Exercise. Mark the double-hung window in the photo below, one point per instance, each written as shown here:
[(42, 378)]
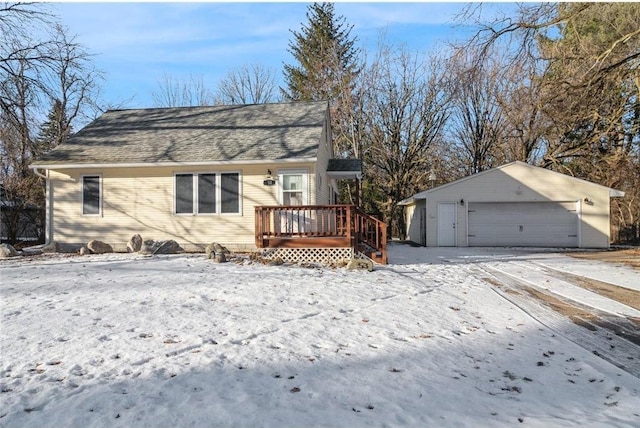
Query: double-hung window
[(91, 195), (293, 187), (207, 193)]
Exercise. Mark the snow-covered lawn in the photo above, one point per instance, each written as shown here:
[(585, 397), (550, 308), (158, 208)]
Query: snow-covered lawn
[(123, 340)]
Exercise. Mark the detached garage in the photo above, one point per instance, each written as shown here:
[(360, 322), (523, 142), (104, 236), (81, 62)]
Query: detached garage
[(516, 204)]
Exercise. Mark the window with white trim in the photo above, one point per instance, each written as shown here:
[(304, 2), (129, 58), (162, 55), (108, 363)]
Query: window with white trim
[(293, 187), (91, 195), (207, 193)]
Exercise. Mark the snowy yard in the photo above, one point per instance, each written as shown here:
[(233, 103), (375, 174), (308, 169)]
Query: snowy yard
[(124, 340)]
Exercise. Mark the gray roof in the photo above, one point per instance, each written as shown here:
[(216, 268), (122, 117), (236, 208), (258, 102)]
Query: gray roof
[(344, 165), (196, 134)]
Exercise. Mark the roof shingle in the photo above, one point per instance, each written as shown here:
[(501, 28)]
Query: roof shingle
[(196, 134)]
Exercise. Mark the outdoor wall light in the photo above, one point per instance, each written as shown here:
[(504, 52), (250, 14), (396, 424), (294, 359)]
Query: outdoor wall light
[(461, 201), (269, 181)]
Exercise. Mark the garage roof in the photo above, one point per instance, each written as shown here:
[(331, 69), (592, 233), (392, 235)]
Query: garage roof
[(613, 193)]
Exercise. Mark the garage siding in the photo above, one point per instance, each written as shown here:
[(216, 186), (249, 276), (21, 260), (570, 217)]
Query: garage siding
[(518, 183)]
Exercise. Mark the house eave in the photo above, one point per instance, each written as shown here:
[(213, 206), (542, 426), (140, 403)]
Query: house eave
[(344, 175), (170, 164)]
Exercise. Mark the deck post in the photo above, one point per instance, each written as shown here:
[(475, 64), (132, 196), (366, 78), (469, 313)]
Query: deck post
[(349, 221)]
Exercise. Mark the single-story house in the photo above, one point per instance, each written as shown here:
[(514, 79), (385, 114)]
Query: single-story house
[(516, 204), (196, 175)]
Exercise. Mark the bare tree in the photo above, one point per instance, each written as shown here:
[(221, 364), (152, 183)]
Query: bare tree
[(405, 107), (248, 84), (524, 122), (182, 92), (584, 93), (476, 121), (35, 74)]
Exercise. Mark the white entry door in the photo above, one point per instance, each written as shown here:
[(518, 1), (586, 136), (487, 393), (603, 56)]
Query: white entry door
[(446, 224), (294, 191)]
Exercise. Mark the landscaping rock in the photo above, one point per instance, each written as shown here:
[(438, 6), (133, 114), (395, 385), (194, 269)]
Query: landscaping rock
[(219, 258), (99, 247), (360, 264), (160, 247), (135, 243), (214, 248), (84, 250), (7, 250), (31, 251), (52, 247)]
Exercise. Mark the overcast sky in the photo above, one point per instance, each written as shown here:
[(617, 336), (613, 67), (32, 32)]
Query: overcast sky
[(136, 43)]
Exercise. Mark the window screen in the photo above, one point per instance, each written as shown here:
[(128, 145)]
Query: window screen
[(184, 193), (206, 193), (91, 195), (230, 193)]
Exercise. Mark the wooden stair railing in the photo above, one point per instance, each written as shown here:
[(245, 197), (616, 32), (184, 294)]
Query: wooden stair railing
[(373, 233)]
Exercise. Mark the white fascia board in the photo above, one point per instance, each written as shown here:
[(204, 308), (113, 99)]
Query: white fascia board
[(160, 164), (344, 175)]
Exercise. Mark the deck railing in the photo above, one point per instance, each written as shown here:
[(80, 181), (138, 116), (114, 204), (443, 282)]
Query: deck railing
[(312, 226)]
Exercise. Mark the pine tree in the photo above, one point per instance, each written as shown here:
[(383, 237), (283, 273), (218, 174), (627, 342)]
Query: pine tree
[(327, 68), (55, 130), (326, 56)]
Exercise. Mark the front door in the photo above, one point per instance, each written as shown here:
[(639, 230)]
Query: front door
[(294, 187), (446, 224)]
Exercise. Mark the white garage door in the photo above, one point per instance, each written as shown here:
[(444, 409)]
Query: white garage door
[(535, 224)]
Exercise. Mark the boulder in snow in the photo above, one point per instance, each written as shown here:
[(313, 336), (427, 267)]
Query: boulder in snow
[(7, 250), (99, 247), (360, 264), (52, 247), (220, 258), (135, 243), (151, 246), (213, 249)]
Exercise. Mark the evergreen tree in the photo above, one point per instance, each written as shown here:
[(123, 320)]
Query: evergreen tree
[(326, 56), (327, 68), (55, 130)]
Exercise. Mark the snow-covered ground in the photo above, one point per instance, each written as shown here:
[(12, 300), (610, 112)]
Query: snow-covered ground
[(123, 340)]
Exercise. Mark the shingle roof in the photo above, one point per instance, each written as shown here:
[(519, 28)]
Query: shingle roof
[(196, 134), (344, 165)]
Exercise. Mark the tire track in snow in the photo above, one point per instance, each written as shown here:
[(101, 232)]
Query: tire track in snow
[(610, 347)]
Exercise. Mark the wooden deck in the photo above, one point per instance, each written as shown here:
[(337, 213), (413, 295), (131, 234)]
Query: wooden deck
[(321, 226)]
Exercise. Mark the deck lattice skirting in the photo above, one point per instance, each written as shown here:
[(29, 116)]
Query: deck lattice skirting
[(325, 256)]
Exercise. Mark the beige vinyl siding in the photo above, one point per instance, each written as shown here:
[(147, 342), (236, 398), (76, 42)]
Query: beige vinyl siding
[(519, 182), (322, 187), (141, 200), (412, 218), (506, 185)]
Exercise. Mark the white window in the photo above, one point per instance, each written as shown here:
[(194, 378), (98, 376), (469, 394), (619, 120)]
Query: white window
[(207, 193), (91, 195), (294, 187)]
